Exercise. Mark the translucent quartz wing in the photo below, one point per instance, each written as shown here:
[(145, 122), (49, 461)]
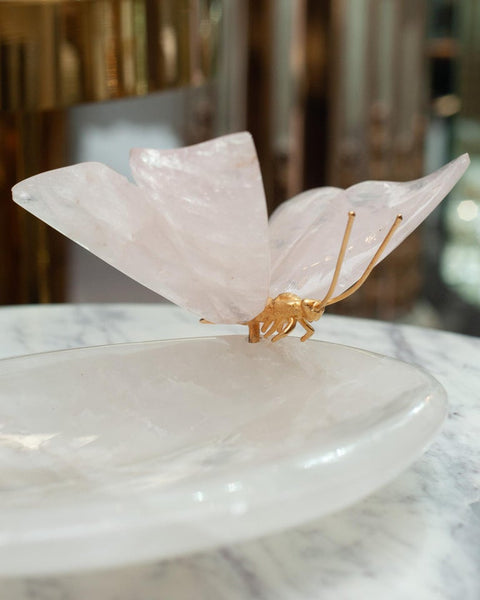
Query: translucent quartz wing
[(306, 232), (218, 220), (194, 231)]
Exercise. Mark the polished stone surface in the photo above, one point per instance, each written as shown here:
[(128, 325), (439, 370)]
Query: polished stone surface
[(116, 455), (417, 537)]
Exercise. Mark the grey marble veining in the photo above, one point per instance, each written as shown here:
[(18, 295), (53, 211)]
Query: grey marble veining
[(418, 537)]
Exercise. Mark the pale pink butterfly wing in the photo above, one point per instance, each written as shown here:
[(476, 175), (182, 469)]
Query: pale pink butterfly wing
[(195, 230), (306, 232)]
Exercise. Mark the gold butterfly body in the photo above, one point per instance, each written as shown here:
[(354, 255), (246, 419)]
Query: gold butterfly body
[(281, 314)]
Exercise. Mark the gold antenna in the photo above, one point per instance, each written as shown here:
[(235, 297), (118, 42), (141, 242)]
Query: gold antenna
[(341, 256), (351, 290)]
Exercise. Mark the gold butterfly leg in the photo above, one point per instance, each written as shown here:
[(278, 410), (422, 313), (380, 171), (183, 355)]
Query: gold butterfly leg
[(290, 325), (253, 332), (269, 327), (309, 330)]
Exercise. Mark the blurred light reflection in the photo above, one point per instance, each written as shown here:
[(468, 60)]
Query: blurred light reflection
[(326, 458)]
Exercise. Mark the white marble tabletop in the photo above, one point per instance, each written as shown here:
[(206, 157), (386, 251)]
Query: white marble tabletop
[(418, 537)]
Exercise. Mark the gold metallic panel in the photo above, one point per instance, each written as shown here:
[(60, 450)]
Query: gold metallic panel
[(58, 53), (31, 254)]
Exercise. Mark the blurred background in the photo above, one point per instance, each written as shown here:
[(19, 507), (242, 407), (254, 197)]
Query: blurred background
[(333, 91)]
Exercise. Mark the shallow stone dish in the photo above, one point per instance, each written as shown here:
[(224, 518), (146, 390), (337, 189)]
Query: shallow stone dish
[(121, 454)]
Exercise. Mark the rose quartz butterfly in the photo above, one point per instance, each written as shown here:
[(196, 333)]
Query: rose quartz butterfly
[(194, 229)]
